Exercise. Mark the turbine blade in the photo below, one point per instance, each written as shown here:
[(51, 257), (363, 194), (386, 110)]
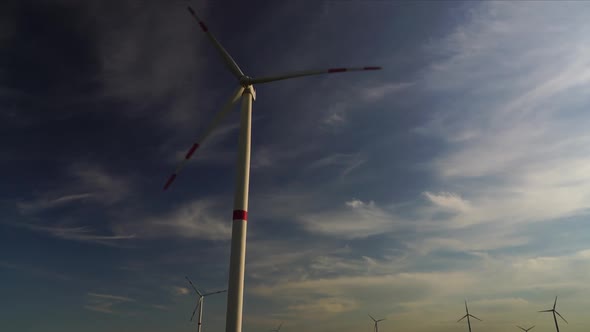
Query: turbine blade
[(462, 318), (196, 307), (380, 320), (549, 310), (372, 318), (561, 317), (522, 328), (221, 291), (192, 285), (218, 117), (555, 303), (466, 310), (476, 318), (229, 62), (308, 73)]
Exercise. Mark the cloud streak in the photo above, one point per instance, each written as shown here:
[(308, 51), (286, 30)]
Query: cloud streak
[(45, 203), (104, 303), (517, 147), (346, 162), (79, 233), (356, 219), (195, 219)]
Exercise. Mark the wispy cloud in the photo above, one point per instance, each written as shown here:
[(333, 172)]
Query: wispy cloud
[(492, 283), (80, 233), (346, 163), (111, 297), (337, 113), (448, 201), (161, 307), (181, 290), (105, 302), (356, 219), (195, 219), (108, 187), (88, 183), (147, 54), (345, 294), (273, 155), (517, 144), (46, 203), (379, 92)]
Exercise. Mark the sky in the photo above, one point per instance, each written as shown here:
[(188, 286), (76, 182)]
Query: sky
[(461, 171)]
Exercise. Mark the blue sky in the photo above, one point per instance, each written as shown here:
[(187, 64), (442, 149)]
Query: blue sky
[(459, 171)]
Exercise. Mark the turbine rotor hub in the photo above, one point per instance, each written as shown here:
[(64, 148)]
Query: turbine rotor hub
[(245, 80)]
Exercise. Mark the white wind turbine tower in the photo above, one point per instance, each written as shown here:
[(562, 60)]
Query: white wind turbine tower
[(200, 303), (376, 321), (525, 330), (240, 213), (555, 312), (467, 315)]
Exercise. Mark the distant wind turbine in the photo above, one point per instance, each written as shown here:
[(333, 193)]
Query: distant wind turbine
[(200, 303), (278, 328), (467, 315), (376, 328), (525, 330), (555, 312)]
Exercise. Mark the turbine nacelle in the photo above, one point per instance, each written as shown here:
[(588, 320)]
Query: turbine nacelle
[(245, 81)]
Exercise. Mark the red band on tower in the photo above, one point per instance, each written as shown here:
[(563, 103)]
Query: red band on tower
[(240, 215), (336, 70)]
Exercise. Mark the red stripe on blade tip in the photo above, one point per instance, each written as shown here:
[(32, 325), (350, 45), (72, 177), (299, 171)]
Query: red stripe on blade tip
[(336, 70), (371, 68), (203, 26), (240, 215), (192, 150), (170, 180)]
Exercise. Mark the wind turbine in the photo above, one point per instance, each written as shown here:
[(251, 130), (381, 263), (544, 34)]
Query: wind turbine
[(525, 330), (200, 303), (376, 328), (278, 328), (245, 91), (467, 314), (555, 312)]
